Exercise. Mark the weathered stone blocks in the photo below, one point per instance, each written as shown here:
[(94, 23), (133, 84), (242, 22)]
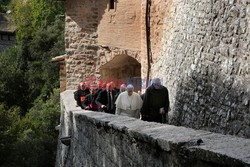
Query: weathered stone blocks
[(205, 62), (100, 139)]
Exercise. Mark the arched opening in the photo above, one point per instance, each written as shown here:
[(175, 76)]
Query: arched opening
[(122, 68)]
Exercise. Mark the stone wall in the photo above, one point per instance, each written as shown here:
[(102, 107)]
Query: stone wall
[(205, 64), (199, 48), (6, 40), (80, 40), (121, 66), (7, 32), (100, 139), (95, 35), (159, 11)]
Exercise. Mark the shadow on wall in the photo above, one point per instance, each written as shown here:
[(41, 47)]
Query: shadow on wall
[(215, 102), (86, 14), (81, 38)]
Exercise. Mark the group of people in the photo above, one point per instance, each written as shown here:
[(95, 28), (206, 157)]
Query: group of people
[(151, 106)]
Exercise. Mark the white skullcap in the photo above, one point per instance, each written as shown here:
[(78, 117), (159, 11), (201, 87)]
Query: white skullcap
[(130, 87)]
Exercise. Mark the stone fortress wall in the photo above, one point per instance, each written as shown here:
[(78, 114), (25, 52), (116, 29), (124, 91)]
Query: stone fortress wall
[(205, 63), (199, 48)]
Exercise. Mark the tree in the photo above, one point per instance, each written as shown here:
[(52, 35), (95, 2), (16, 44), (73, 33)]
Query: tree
[(13, 87), (40, 38), (29, 102), (35, 134), (4, 6), (8, 117)]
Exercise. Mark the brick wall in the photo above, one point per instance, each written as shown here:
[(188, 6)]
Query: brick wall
[(120, 27), (62, 66)]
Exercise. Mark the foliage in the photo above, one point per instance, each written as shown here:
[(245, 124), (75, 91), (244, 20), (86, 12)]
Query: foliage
[(47, 43), (26, 69), (21, 15), (12, 86), (33, 138), (29, 94), (32, 15), (4, 6), (7, 137)]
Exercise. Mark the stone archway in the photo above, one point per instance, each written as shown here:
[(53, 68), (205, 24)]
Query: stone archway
[(122, 67)]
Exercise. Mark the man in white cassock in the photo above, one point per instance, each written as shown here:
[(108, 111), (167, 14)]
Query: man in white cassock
[(129, 103)]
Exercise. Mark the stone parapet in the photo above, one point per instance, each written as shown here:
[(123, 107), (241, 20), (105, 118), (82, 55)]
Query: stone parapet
[(100, 139)]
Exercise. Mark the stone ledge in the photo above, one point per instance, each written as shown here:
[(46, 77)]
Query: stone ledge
[(217, 148)]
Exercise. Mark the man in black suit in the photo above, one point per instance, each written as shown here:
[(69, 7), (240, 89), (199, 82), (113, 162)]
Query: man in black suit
[(101, 87), (106, 99), (122, 89)]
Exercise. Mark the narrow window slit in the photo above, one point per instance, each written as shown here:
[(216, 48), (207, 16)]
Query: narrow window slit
[(112, 4)]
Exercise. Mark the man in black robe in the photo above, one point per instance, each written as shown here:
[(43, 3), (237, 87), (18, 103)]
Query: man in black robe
[(155, 103), (90, 101), (80, 94)]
